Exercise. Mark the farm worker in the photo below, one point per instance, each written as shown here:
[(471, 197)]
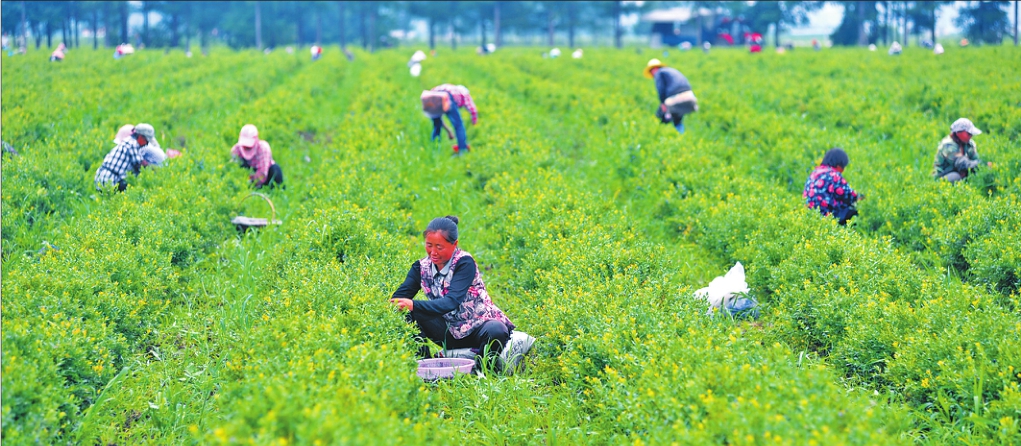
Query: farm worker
[(317, 52), (124, 134), (255, 154), (58, 54), (123, 50), (675, 96), (956, 155), (139, 150), (415, 63), (457, 311), (447, 99), (827, 191)]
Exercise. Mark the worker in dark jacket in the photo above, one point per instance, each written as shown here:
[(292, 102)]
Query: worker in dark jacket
[(675, 96)]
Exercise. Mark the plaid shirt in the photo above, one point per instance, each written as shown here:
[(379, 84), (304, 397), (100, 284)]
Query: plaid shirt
[(462, 98), (127, 155), (261, 160)]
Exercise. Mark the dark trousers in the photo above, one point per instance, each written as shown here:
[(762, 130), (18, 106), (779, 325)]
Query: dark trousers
[(844, 215), (494, 334), (274, 177)]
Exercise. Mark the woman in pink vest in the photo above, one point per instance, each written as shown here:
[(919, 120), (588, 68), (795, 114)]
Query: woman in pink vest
[(457, 311), (255, 154)]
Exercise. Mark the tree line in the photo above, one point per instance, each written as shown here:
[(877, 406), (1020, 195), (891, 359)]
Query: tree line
[(884, 22), (270, 24), (374, 25)]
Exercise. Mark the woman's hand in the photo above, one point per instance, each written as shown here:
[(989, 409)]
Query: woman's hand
[(403, 304)]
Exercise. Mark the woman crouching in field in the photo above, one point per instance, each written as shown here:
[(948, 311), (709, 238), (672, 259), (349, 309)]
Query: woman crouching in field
[(458, 312), (827, 191), (253, 153)]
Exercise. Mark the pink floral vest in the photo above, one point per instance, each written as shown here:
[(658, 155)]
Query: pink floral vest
[(477, 307)]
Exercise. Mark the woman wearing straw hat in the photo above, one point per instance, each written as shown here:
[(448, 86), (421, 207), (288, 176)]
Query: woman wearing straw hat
[(675, 96), (956, 156), (253, 153)]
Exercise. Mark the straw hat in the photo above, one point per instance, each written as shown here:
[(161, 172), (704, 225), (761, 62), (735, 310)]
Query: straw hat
[(653, 63)]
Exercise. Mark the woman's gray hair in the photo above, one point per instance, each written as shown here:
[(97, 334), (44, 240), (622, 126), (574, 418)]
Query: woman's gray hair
[(447, 225)]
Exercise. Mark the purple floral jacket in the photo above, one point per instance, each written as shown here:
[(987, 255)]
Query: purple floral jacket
[(827, 191), (477, 307)]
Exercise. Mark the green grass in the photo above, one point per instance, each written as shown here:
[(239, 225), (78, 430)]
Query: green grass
[(154, 321)]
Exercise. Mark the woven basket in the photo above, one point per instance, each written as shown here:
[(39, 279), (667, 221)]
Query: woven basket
[(243, 223)]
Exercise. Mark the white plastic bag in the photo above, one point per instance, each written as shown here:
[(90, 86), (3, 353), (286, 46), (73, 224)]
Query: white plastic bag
[(728, 293), (520, 345), (725, 287)]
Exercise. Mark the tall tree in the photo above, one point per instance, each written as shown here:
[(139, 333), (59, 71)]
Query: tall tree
[(782, 14), (146, 8), (618, 33), (497, 31), (258, 25), (923, 15), (319, 27), (550, 10), (24, 28), (858, 18), (342, 24), (986, 22), (95, 27), (452, 19), (433, 14), (904, 16), (124, 21)]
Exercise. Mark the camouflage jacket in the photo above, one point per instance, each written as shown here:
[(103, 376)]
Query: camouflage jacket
[(947, 153)]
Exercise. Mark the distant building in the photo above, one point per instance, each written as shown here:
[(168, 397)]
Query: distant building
[(673, 26)]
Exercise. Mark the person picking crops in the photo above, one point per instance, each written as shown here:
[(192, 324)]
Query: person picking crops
[(58, 54), (827, 191), (253, 153), (675, 96), (457, 312), (447, 99), (956, 156), (139, 150)]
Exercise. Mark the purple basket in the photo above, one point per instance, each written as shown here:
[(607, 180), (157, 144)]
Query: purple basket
[(436, 368)]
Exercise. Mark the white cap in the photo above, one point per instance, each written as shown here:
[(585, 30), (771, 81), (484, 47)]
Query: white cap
[(965, 125)]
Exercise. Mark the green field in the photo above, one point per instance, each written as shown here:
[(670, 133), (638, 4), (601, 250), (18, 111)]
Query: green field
[(143, 317)]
